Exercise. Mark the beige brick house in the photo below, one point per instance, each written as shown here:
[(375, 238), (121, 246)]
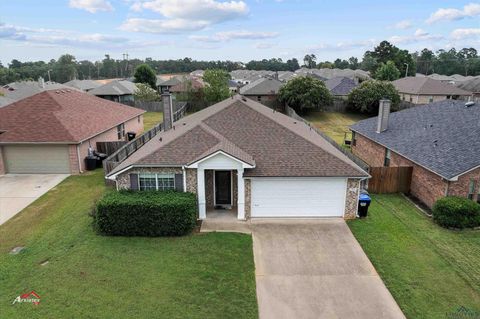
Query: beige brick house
[(241, 156), (438, 140), (51, 131)]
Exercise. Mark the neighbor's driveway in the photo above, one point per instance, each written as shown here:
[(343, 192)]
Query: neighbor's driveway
[(17, 191), (316, 269)]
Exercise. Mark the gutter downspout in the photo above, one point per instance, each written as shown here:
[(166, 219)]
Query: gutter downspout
[(447, 188), (78, 157), (184, 178)]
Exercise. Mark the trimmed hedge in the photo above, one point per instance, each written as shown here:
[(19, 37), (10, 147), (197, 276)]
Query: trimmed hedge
[(146, 213), (456, 212)]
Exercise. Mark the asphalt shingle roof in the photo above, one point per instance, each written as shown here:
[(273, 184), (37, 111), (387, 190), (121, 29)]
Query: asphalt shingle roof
[(427, 86), (441, 136), (341, 85), (274, 143), (84, 85), (262, 86), (63, 116), (116, 87)]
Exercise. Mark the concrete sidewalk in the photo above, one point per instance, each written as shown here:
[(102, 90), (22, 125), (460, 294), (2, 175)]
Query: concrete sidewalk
[(17, 191), (316, 269)]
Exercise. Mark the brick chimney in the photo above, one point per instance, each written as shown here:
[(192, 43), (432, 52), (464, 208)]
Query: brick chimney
[(383, 115), (167, 110)]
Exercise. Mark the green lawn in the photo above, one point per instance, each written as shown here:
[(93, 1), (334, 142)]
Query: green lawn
[(334, 124), (150, 119), (91, 276), (430, 271)]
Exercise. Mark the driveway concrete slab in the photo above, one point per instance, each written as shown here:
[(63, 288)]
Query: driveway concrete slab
[(17, 191), (316, 269)]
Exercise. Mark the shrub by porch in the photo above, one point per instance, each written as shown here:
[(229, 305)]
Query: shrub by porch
[(146, 213)]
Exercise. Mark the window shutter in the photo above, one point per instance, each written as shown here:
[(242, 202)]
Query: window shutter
[(179, 182), (134, 182)]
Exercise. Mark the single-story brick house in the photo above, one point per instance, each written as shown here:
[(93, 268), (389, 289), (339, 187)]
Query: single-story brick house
[(263, 90), (50, 132), (240, 155), (439, 140), (424, 90)]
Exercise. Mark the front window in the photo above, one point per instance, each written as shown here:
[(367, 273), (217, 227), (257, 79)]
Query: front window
[(159, 182), (430, 99), (471, 189), (386, 161), (121, 131)]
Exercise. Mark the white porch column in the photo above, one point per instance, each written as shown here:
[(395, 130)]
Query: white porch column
[(241, 194), (202, 211)]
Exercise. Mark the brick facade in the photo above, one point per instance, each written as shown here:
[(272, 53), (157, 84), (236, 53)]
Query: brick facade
[(2, 165), (351, 199), (123, 180), (426, 185), (248, 198)]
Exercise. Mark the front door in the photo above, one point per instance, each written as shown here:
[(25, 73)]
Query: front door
[(223, 188)]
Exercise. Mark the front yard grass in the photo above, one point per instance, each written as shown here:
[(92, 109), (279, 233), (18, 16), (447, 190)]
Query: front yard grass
[(430, 271), (150, 119), (334, 124), (91, 276)]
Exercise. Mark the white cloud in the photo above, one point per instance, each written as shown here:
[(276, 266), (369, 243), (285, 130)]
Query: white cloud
[(418, 36), (184, 15), (459, 34), (162, 25), (449, 14), (91, 6), (68, 38), (234, 35), (344, 46), (404, 24)]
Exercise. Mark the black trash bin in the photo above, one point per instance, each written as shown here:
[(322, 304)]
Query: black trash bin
[(100, 158), (90, 163), (363, 204), (131, 135)]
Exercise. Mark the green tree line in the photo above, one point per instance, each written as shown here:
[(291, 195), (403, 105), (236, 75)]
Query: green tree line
[(464, 61)]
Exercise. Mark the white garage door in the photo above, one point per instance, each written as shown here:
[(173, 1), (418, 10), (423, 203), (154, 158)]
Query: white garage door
[(36, 159), (289, 197)]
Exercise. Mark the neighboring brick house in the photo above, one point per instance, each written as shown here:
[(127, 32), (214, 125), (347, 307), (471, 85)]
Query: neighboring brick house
[(50, 132), (121, 91), (439, 140), (240, 155), (264, 90), (424, 90)]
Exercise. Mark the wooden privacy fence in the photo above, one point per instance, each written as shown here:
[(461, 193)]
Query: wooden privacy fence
[(131, 147), (390, 179), (110, 147)]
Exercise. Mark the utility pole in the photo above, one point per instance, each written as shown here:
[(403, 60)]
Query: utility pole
[(49, 79), (406, 71), (126, 65)]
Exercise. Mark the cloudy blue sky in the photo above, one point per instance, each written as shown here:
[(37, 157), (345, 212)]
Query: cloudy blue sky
[(224, 29)]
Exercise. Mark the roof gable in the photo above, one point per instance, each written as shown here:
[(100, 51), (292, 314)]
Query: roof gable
[(275, 144), (61, 116)]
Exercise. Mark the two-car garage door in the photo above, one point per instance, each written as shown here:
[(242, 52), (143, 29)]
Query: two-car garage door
[(300, 197), (36, 159)]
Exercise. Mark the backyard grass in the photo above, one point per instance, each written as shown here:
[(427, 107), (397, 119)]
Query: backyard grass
[(334, 124), (430, 271), (150, 119), (91, 276)]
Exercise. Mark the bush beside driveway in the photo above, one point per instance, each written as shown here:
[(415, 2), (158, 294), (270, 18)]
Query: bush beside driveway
[(78, 274), (430, 271)]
